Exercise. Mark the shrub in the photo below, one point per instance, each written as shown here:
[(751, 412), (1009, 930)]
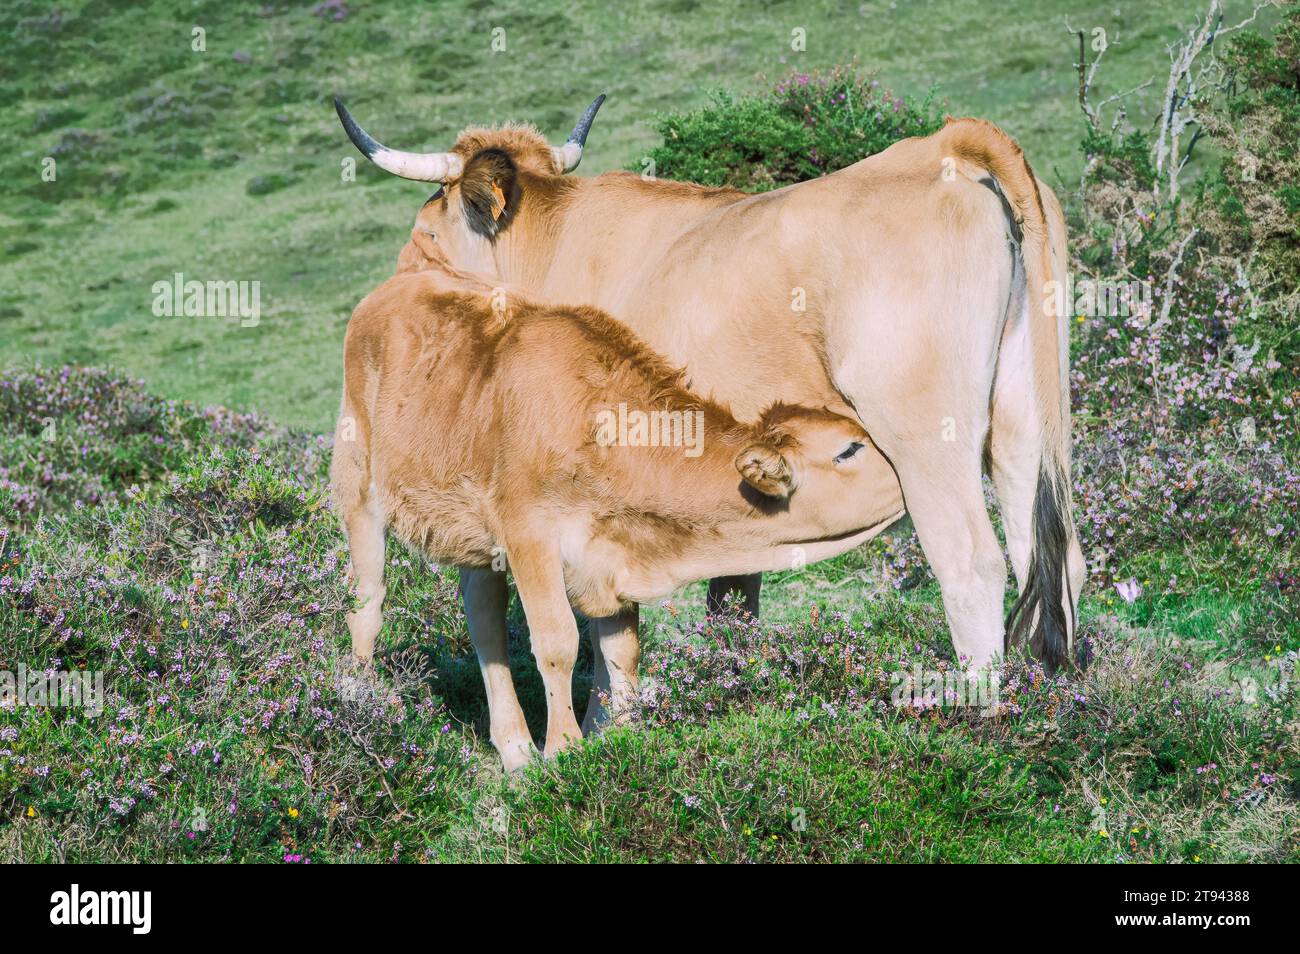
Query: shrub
[(805, 126), (1251, 207), (74, 437), (265, 185), (1186, 461)]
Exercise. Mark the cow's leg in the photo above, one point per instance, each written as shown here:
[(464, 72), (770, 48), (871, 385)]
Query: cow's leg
[(539, 577), (1015, 445), (928, 412), (364, 524), (485, 594), (747, 586), (942, 488), (614, 638), (935, 444)]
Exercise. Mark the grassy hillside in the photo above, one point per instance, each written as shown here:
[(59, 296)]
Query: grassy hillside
[(225, 164)]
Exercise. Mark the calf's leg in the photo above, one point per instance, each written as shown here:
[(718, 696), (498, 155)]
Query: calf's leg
[(599, 681), (485, 595), (617, 650), (539, 577), (364, 524), (357, 505)]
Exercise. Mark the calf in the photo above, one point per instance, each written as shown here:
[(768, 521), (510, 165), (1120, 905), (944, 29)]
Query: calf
[(486, 429)]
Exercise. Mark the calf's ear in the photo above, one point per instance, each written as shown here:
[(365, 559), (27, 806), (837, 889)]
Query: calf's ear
[(419, 253), (489, 191), (764, 469)]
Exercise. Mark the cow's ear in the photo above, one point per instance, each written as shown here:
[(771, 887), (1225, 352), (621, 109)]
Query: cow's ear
[(489, 191), (765, 470)]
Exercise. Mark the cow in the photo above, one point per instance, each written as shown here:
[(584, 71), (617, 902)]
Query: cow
[(909, 290), (478, 424)]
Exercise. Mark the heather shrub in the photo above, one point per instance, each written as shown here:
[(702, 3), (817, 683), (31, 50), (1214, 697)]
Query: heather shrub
[(1186, 464), (74, 437), (1195, 764), (1185, 461), (77, 437), (804, 126), (211, 601)]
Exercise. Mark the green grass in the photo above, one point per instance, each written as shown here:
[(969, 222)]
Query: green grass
[(224, 169), (770, 788), (233, 731)]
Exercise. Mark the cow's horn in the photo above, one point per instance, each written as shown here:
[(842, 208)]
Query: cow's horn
[(569, 155), (420, 166)]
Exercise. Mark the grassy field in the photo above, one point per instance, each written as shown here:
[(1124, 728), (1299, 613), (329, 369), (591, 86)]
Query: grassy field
[(225, 164), (191, 557), (202, 576)]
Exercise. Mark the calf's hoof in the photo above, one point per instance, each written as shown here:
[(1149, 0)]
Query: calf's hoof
[(516, 756), (354, 679), (556, 745), (608, 718)]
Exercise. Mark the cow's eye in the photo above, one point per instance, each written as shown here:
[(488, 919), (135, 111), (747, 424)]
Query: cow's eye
[(848, 452)]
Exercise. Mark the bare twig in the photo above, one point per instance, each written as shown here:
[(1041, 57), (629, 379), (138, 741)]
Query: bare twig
[(1177, 114), (1087, 73), (1192, 66), (1172, 275)]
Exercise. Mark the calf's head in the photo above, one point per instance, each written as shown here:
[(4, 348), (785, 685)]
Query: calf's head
[(812, 458), (482, 182)]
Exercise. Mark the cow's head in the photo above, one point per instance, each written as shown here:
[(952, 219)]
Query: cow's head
[(481, 182)]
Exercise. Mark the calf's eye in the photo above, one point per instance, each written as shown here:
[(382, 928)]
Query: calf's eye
[(848, 452)]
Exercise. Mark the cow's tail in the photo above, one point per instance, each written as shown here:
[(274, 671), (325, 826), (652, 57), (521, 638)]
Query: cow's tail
[(1044, 612)]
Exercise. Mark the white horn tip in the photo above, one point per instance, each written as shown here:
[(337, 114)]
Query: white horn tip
[(423, 167), (567, 156)]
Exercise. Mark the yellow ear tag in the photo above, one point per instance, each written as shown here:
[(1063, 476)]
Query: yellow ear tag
[(499, 206)]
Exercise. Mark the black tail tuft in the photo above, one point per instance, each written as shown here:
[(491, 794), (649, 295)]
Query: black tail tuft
[(1040, 603)]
